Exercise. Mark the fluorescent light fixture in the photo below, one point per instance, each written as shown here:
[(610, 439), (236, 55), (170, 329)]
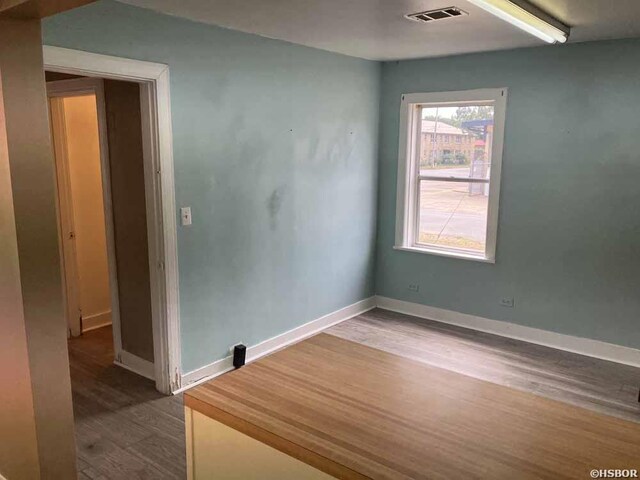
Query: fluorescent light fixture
[(526, 17)]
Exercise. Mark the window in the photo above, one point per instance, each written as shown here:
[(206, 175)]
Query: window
[(448, 201)]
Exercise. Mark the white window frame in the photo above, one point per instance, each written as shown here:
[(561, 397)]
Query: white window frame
[(408, 181)]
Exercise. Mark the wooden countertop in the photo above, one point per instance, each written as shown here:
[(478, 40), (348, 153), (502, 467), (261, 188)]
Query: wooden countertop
[(356, 412)]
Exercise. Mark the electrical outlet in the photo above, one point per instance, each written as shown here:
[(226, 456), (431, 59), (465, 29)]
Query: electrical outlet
[(507, 302), (414, 287), (234, 346)]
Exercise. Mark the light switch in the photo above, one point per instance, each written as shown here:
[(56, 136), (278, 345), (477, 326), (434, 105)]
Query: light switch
[(185, 215)]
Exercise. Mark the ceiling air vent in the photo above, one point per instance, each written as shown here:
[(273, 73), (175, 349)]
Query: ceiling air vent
[(433, 15)]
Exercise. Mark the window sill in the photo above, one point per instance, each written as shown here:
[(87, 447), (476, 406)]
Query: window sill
[(447, 253)]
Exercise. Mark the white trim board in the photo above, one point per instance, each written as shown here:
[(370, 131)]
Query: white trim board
[(582, 346), (203, 374), (95, 321), (136, 364), (159, 191), (579, 345)]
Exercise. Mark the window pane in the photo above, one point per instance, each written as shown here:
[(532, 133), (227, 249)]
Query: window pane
[(453, 214), (456, 141)]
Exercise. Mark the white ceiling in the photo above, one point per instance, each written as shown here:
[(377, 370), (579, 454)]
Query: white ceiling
[(377, 30)]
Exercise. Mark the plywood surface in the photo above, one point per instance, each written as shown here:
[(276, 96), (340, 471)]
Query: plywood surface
[(357, 412)]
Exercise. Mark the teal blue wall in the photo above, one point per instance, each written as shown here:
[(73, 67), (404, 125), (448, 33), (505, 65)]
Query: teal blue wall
[(276, 147), (275, 150), (569, 234)]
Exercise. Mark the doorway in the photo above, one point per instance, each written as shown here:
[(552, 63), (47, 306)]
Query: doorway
[(101, 142), (152, 80), (83, 206), (97, 136)]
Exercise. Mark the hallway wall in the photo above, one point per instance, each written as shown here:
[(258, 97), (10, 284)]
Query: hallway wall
[(83, 157), (126, 162)]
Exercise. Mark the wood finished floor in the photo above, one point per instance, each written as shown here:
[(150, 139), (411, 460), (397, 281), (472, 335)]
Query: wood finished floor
[(357, 413), (125, 429), (598, 385)]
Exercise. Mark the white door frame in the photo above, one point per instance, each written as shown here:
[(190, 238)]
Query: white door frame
[(76, 88), (159, 192)]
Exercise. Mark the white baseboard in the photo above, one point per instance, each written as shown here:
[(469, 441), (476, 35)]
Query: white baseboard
[(136, 364), (582, 346), (97, 320), (195, 377)]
